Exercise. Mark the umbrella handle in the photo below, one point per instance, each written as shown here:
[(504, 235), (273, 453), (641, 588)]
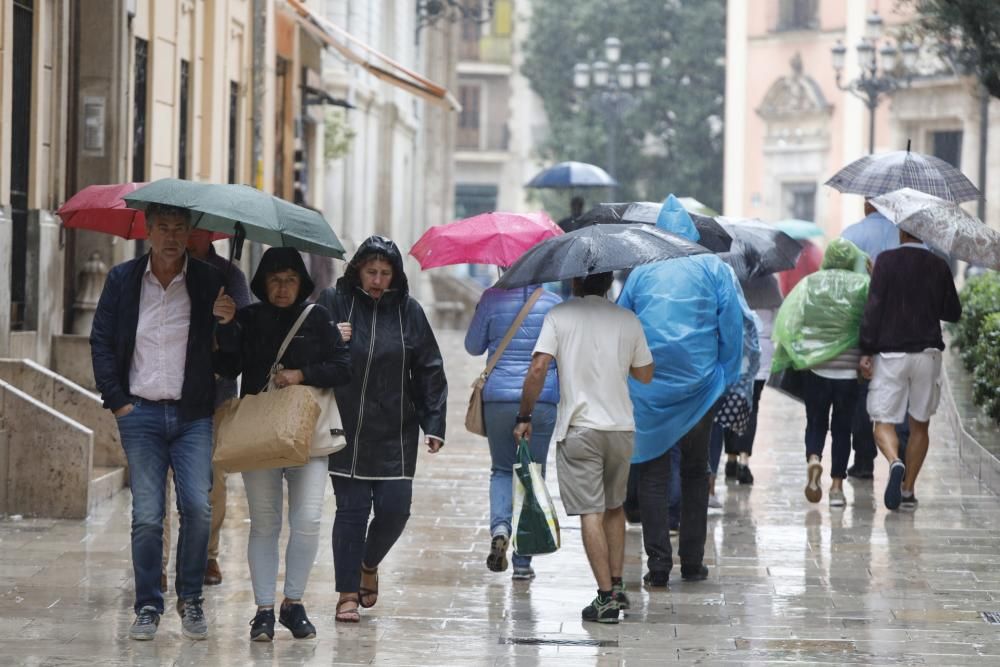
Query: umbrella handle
[(236, 247)]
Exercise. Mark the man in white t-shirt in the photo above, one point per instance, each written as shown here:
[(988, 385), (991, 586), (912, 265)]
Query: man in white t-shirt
[(596, 345)]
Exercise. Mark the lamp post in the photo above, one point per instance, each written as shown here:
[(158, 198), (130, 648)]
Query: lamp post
[(615, 88), (883, 70)]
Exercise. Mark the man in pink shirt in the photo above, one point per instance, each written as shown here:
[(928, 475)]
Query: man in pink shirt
[(151, 346)]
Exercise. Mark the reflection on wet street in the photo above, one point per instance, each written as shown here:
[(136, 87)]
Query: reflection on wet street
[(789, 581)]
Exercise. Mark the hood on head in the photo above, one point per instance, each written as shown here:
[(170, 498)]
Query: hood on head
[(377, 246), (842, 254), (281, 259), (675, 219)]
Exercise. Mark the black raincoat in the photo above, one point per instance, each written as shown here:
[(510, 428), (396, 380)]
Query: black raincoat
[(397, 384), (250, 342)]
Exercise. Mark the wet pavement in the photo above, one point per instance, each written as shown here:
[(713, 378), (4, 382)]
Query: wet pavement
[(789, 581)]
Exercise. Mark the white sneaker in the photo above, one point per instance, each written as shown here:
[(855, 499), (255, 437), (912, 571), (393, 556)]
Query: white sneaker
[(837, 498), (814, 491), (713, 502)]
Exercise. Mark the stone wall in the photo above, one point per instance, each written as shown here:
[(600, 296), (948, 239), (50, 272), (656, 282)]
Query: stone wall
[(71, 359), (45, 459)]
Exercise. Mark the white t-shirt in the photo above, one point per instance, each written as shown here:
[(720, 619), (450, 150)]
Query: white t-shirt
[(594, 342)]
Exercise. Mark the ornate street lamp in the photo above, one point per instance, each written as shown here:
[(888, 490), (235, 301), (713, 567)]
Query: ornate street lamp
[(430, 12), (883, 70), (615, 89)]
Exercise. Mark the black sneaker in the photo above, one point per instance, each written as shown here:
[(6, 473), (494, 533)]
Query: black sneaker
[(908, 502), (145, 624), (497, 560), (656, 578), (293, 616), (694, 572), (618, 593), (601, 610), (893, 488), (861, 471), (732, 469), (262, 626), (744, 474)]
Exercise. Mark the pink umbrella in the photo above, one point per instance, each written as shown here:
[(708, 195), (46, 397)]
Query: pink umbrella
[(489, 238), (101, 208)]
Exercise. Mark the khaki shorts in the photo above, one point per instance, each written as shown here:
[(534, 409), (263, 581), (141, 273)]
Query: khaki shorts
[(593, 469), (902, 383)]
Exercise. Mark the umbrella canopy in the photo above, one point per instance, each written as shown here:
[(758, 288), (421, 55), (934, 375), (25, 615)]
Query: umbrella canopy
[(243, 210), (758, 249), (101, 208), (799, 229), (713, 236), (942, 224), (874, 175), (572, 175), (596, 249), (489, 238)]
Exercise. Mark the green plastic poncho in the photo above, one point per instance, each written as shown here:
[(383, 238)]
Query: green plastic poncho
[(821, 317)]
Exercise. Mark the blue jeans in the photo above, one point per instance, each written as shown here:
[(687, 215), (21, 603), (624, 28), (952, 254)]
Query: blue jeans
[(306, 488), (830, 406), (155, 438), (355, 541), (499, 417)]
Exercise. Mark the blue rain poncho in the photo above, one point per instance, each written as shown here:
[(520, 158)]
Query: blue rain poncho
[(691, 314), (821, 317)]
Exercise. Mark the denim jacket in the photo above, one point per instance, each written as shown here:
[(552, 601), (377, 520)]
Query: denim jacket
[(495, 313)]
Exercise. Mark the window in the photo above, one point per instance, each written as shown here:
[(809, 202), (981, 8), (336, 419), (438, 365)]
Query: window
[(799, 201), (798, 14), (948, 147), (139, 111), (20, 155), (468, 45), (234, 129), (468, 119), (182, 133)]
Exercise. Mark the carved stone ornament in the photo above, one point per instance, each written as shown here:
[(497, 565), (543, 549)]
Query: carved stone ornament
[(794, 95)]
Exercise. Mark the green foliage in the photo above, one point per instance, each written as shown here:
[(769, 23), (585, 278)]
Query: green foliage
[(672, 141), (967, 32), (337, 133), (980, 299), (987, 370)]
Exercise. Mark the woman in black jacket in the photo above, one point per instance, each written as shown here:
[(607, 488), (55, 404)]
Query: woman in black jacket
[(398, 388), (317, 357)]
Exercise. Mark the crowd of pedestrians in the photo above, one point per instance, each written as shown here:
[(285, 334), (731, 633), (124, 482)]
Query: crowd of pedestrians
[(653, 387)]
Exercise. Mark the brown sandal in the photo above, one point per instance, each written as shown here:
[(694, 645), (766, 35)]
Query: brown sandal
[(369, 592), (350, 615)]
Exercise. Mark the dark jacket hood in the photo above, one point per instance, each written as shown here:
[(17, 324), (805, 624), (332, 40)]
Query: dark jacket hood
[(281, 259), (380, 247)]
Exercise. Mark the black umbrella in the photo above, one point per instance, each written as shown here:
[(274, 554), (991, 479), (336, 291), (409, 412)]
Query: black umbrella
[(596, 249), (758, 249), (713, 236)]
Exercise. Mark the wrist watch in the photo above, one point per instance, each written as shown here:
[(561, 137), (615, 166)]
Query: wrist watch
[(522, 419)]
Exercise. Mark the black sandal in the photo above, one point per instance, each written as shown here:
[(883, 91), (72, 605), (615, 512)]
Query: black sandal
[(369, 592), (351, 615)]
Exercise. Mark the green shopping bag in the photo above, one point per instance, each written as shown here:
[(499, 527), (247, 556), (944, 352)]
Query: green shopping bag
[(536, 527)]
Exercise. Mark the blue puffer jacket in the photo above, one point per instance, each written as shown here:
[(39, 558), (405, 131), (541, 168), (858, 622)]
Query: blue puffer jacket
[(495, 313)]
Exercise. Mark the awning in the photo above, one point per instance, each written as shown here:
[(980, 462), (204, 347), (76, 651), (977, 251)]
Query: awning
[(376, 63)]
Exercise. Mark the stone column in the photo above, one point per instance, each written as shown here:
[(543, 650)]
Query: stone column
[(88, 292)]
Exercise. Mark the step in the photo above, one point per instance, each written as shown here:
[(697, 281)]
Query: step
[(105, 482)]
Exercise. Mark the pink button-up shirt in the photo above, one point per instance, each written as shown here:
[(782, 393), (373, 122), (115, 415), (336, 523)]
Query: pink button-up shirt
[(157, 370)]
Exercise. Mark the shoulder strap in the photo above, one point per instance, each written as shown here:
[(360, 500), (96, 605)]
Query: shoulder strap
[(525, 309), (291, 333)]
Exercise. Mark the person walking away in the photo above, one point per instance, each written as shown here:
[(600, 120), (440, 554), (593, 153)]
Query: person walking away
[(398, 388), (911, 292), (151, 346), (315, 357), (817, 330), (596, 346), (496, 313), (199, 245)]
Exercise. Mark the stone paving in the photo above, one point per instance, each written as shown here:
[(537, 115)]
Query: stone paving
[(789, 581)]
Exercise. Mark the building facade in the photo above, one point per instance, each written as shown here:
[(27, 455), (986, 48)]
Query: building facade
[(789, 126)]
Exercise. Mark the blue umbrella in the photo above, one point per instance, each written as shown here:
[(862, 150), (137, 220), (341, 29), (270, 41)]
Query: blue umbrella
[(572, 175)]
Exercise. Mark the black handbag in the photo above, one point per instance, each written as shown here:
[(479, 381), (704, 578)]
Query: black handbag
[(790, 382)]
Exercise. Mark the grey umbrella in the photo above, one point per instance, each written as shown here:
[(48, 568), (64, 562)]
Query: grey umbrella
[(942, 224), (712, 234), (596, 249), (758, 249), (874, 175)]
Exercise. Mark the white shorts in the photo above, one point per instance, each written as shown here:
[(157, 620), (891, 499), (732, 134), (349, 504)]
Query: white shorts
[(904, 383)]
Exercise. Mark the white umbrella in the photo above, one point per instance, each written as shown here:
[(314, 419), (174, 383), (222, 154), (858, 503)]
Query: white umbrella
[(942, 224)]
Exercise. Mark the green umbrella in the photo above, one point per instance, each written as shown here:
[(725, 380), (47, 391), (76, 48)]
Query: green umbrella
[(799, 229), (244, 212)]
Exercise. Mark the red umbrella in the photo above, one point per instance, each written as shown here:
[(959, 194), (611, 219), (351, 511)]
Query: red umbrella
[(489, 238), (101, 208)]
